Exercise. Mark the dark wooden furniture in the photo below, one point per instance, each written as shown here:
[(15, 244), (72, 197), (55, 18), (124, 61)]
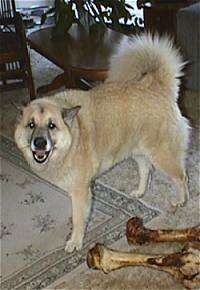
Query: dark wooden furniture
[(160, 15), (15, 68), (84, 57)]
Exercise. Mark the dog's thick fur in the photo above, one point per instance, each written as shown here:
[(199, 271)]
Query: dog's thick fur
[(133, 113)]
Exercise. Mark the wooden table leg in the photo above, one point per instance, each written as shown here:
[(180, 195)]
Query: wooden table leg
[(69, 80), (55, 84), (64, 79)]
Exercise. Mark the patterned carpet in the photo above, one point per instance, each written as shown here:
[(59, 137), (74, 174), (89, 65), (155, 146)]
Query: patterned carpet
[(36, 215), (36, 221)]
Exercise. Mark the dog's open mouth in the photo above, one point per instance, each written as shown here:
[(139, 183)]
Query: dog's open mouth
[(41, 156)]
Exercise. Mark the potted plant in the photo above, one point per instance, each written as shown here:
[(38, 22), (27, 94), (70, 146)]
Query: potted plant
[(88, 13)]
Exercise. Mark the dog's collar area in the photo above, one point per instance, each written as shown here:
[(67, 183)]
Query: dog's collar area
[(40, 156)]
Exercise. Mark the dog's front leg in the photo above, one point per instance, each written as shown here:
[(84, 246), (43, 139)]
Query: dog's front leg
[(81, 203)]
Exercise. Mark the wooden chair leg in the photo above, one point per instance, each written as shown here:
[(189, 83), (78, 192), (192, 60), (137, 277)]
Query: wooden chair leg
[(31, 86), (29, 76)]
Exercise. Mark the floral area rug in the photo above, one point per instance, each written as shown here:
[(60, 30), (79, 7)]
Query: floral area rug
[(36, 221), (36, 215)]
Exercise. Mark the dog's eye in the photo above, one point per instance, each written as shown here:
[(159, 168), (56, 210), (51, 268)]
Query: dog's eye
[(51, 125), (31, 125)]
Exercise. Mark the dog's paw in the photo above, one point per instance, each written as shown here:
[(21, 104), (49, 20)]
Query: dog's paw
[(178, 203), (137, 193), (73, 244)]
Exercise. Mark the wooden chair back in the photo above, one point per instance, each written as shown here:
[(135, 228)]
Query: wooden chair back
[(7, 12), (15, 68)]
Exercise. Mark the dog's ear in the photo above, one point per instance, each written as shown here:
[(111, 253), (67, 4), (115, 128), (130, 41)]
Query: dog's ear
[(69, 114), (19, 107)]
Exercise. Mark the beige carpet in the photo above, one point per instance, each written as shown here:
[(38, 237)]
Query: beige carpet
[(33, 234)]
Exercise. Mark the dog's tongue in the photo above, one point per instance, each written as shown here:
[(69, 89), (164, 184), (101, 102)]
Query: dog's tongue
[(40, 153)]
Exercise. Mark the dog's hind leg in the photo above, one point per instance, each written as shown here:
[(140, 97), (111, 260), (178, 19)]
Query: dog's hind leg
[(173, 165), (144, 175)]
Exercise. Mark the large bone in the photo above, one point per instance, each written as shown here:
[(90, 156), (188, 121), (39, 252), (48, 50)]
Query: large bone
[(184, 265), (136, 233)]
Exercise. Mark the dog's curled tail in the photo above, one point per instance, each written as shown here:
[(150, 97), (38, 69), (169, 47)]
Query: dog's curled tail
[(146, 55)]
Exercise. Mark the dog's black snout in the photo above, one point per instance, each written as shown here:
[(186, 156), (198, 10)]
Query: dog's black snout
[(40, 143)]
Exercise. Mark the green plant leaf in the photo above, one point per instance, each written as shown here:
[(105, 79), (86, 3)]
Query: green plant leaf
[(129, 6), (90, 13)]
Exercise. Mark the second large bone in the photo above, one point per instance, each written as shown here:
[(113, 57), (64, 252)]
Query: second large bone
[(136, 233), (184, 265)]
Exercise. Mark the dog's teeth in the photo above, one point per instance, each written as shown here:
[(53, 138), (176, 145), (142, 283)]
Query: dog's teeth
[(39, 157)]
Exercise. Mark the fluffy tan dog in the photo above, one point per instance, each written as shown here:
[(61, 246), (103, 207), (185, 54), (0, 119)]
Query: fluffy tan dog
[(74, 135)]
